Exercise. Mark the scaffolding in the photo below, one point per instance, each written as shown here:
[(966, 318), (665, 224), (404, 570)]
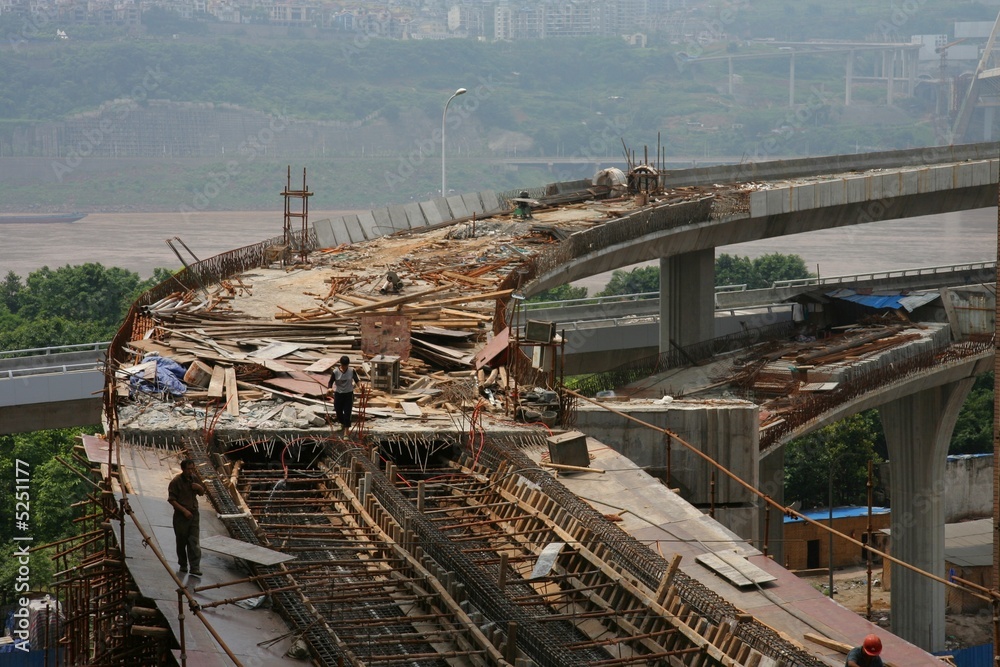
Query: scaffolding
[(303, 214)]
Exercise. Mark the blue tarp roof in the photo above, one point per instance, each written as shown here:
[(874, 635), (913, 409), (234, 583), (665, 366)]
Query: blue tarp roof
[(838, 513), (886, 300)]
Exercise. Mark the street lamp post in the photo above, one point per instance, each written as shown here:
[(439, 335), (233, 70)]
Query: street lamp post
[(444, 116)]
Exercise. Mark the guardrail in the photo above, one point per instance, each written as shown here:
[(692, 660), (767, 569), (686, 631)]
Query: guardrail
[(47, 370), (615, 298), (576, 325), (883, 275), (49, 351), (798, 282)]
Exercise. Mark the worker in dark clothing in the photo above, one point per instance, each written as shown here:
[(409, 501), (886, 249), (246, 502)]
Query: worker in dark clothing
[(182, 494), (343, 381), (866, 655)]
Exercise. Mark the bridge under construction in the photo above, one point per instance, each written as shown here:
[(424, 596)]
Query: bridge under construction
[(466, 518)]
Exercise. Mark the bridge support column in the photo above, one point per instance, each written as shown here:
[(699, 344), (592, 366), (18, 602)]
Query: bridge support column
[(687, 299), (917, 430)]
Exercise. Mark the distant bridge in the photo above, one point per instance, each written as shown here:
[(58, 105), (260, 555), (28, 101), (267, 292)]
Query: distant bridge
[(628, 324)]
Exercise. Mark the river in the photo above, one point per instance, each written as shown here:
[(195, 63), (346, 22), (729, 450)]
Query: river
[(136, 241)]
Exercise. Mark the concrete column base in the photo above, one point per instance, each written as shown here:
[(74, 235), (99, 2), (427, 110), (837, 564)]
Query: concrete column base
[(917, 430)]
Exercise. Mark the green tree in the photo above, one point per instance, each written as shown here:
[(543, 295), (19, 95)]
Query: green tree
[(560, 293), (733, 270), (639, 279), (761, 272), (841, 450), (10, 292), (48, 492), (973, 432)]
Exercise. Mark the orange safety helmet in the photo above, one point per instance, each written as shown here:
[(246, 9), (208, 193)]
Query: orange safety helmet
[(872, 645)]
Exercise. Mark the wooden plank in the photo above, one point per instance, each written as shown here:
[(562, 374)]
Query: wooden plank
[(274, 350), (470, 297), (232, 394), (396, 301), (472, 280), (306, 387), (217, 384), (320, 365), (251, 552), (411, 409)]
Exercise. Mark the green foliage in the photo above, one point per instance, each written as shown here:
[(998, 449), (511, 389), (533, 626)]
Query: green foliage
[(69, 305), (560, 293), (973, 432), (760, 272), (51, 491), (639, 279), (841, 450), (729, 270)]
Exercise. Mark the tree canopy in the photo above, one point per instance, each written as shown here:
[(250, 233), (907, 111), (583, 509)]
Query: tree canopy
[(51, 491), (637, 280), (839, 452), (761, 272), (69, 305), (559, 293)]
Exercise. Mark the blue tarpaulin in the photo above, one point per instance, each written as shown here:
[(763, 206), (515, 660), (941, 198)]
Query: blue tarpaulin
[(886, 300), (838, 513), (169, 377)]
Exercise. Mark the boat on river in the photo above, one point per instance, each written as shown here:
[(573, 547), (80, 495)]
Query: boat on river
[(18, 218)]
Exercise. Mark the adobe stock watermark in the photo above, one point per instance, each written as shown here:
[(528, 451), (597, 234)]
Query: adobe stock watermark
[(902, 12), (427, 146), (249, 150), (95, 137), (598, 145), (37, 25), (711, 31), (22, 538)]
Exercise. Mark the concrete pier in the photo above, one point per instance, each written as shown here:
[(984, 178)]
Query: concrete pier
[(917, 430)]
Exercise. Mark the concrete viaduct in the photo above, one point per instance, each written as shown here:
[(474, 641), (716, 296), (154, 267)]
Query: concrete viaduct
[(854, 190)]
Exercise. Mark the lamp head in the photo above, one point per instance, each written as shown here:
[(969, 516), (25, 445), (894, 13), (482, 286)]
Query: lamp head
[(461, 91)]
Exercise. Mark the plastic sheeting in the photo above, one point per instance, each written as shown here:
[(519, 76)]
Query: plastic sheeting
[(169, 377)]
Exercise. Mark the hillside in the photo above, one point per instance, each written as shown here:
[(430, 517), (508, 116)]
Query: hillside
[(199, 110)]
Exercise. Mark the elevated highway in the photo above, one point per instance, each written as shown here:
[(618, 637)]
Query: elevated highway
[(605, 332), (46, 388), (60, 387)]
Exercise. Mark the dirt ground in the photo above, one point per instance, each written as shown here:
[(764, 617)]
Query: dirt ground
[(850, 590)]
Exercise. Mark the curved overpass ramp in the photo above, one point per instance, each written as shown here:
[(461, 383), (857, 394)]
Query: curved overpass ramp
[(50, 388)]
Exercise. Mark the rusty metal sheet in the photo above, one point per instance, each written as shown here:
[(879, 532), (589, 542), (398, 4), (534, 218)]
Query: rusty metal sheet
[(96, 448), (296, 386), (493, 348), (386, 334)]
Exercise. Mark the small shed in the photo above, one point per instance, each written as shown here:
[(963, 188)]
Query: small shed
[(807, 547), (968, 555)]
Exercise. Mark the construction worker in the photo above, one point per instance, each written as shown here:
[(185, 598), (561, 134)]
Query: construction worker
[(866, 655), (343, 382)]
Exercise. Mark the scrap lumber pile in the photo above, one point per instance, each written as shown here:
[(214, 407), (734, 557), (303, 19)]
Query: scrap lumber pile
[(786, 379), (425, 299)]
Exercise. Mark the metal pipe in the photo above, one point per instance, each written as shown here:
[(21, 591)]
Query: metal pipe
[(868, 532), (151, 544), (180, 624)]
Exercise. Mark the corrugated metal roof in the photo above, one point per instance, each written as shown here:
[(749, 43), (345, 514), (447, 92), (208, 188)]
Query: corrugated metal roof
[(838, 513), (969, 544), (886, 300)]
